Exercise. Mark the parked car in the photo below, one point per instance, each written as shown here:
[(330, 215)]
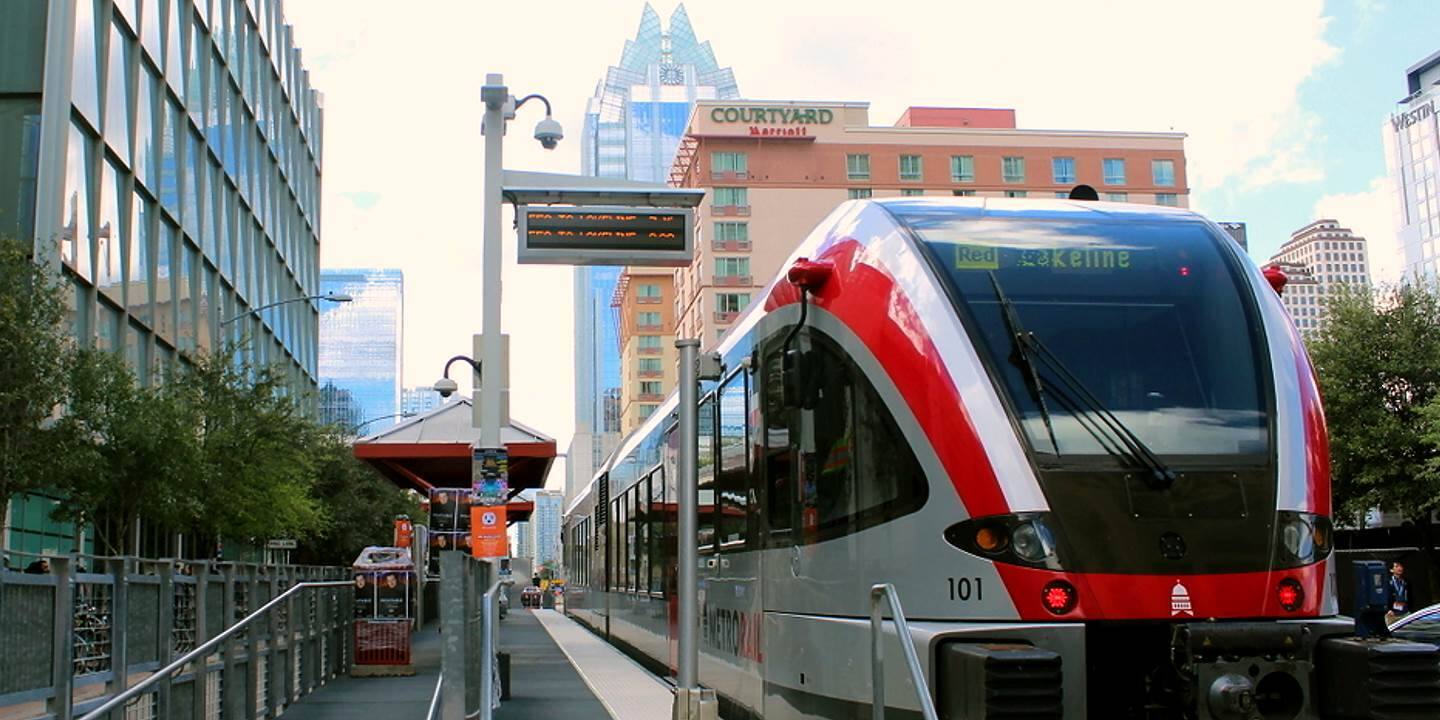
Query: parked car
[(530, 597), (1421, 626)]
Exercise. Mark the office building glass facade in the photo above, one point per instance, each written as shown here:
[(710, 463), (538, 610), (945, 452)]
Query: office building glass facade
[(361, 348)]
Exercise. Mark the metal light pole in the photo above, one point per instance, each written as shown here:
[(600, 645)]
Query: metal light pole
[(687, 675), (496, 97), (328, 297)]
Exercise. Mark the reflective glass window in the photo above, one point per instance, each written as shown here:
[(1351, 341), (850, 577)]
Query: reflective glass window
[(85, 77), (118, 133), (734, 477), (165, 280), (857, 166), (174, 55), (108, 326), (194, 183), (185, 296), (705, 461), (911, 168), (139, 256), (859, 193), (75, 230), (1117, 197), (210, 213), (195, 54), (137, 352), (145, 163), (1170, 199), (170, 139), (1114, 171), (110, 236), (151, 23), (1012, 169), (205, 307), (962, 168), (1063, 169), (1164, 172)]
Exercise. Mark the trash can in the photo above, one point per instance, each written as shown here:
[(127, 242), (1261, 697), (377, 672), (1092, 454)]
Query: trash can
[(385, 589)]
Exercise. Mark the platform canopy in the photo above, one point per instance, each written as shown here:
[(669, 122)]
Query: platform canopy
[(433, 450)]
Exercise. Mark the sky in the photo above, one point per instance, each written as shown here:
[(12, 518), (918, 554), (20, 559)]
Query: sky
[(1283, 105)]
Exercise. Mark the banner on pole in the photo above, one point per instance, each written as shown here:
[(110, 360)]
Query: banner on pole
[(490, 475), (487, 532)]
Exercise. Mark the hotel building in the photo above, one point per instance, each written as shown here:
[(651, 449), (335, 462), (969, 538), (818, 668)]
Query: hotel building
[(1317, 259), (773, 170), (1411, 136)]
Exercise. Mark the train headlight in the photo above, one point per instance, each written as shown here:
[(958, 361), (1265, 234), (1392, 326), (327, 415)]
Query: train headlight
[(1303, 538), (1021, 539)]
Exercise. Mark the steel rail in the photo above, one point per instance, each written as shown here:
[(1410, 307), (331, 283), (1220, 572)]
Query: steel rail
[(204, 649), (886, 591)]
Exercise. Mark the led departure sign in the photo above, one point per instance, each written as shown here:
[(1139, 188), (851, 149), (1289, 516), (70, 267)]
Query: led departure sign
[(609, 235)]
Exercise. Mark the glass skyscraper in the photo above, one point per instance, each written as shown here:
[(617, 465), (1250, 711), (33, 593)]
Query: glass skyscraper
[(633, 126), (361, 347), (164, 157), (1412, 152)]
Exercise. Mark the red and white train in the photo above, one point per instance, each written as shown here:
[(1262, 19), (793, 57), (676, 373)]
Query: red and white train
[(1083, 440)]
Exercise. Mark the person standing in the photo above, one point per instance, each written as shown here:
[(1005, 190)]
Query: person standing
[(1399, 593)]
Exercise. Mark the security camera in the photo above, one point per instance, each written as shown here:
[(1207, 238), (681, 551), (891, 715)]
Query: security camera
[(548, 132), (446, 387)]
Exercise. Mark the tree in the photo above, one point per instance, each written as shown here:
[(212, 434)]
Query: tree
[(1378, 361), (129, 452), (360, 504), (33, 348), (256, 461)]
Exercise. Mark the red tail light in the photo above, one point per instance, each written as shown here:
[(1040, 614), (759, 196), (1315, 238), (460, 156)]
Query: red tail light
[(1290, 594), (1059, 597)]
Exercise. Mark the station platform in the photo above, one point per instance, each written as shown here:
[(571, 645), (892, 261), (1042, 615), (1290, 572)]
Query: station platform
[(558, 670)]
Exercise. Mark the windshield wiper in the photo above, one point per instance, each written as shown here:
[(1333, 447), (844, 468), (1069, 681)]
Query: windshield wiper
[(1020, 356), (1028, 347)]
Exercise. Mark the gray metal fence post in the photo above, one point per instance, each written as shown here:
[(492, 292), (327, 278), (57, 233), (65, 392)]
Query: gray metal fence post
[(200, 682), (165, 626), (119, 631), (252, 644), (277, 650), (453, 631), (62, 671), (229, 693), (291, 657)]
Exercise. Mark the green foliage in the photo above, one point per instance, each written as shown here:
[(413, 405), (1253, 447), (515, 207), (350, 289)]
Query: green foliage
[(1378, 361), (33, 351), (360, 504), (128, 452), (256, 461)]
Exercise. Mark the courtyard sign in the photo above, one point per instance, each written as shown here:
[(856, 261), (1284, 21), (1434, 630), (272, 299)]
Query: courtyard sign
[(772, 115)]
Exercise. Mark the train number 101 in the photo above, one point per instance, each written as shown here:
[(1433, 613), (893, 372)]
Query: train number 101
[(965, 589)]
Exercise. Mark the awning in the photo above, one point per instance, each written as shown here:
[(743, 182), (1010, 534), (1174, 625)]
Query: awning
[(433, 450)]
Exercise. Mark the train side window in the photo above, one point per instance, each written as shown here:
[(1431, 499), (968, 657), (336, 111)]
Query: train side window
[(777, 459), (705, 460), (637, 538), (734, 474), (642, 534), (657, 535)]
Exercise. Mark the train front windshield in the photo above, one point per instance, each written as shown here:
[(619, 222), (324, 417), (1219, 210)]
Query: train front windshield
[(1150, 320)]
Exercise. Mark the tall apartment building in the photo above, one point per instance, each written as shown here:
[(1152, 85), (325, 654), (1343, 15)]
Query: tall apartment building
[(545, 526), (524, 541), (1411, 135), (633, 124), (773, 170), (362, 343), (164, 158), (1317, 259), (645, 303)]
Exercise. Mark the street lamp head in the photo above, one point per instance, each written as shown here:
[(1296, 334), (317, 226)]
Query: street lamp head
[(548, 132), (337, 297), (446, 387)]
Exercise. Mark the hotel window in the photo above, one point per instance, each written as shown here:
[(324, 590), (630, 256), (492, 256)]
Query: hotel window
[(857, 166), (1114, 171), (963, 193), (650, 365), (1012, 169), (1015, 193), (1117, 197), (728, 162), (731, 302), (732, 267), (1062, 195), (649, 342), (732, 197), (962, 168), (911, 169), (911, 192), (859, 193), (649, 317), (647, 410), (1164, 172), (1063, 168), (1168, 199), (726, 232), (648, 290), (649, 387)]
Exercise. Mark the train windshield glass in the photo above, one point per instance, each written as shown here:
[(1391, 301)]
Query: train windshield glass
[(1148, 319)]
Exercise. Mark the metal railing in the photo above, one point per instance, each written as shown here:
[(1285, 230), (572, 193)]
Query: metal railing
[(468, 622), (74, 639), (886, 591)]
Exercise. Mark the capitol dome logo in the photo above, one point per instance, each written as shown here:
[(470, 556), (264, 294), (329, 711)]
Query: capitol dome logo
[(1180, 601)]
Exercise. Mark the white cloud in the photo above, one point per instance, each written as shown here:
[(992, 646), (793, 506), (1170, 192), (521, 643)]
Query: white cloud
[(1370, 213), (401, 84)]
